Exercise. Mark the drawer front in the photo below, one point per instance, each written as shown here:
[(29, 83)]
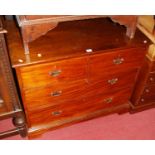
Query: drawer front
[(51, 73), (53, 95), (149, 90), (147, 99), (151, 78), (115, 61), (148, 95), (60, 114)]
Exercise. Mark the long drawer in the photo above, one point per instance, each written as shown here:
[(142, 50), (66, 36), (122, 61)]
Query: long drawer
[(72, 109), (57, 94), (47, 96), (100, 64), (53, 73)]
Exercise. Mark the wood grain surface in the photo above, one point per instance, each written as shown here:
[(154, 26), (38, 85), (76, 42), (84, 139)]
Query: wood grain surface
[(77, 71)]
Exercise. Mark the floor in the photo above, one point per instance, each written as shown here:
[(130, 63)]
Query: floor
[(112, 127)]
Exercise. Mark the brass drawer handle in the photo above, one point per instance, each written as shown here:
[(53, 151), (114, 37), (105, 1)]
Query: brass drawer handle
[(147, 90), (56, 113), (113, 81), (118, 61), (108, 100), (151, 79), (56, 93), (55, 73), (142, 100)]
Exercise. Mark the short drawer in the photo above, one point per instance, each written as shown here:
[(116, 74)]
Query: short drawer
[(51, 73), (115, 61), (72, 110), (47, 96), (53, 95)]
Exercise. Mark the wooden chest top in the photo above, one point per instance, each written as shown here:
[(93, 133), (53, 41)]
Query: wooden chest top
[(71, 39)]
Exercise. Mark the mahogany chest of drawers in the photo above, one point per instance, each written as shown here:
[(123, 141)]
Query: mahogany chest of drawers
[(144, 94), (77, 71)]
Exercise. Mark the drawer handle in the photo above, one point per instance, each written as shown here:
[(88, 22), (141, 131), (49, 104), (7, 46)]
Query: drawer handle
[(56, 93), (108, 100), (55, 73), (142, 100), (56, 113), (151, 79), (113, 81), (118, 61), (147, 90)]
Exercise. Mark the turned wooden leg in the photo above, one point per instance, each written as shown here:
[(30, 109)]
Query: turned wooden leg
[(19, 122)]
